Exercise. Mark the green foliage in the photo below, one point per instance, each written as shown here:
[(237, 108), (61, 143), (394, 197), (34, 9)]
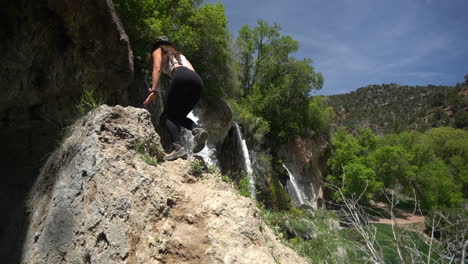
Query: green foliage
[(392, 108), (197, 168), (436, 187), (391, 165), (357, 180), (346, 150), (223, 177), (326, 243), (280, 199), (319, 116), (275, 85), (198, 30), (349, 171), (256, 125), (409, 242), (451, 145), (461, 119), (244, 186), (88, 101), (144, 155), (433, 164), (449, 228)]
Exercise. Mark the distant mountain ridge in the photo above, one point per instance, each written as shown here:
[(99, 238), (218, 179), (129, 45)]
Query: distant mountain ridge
[(392, 108)]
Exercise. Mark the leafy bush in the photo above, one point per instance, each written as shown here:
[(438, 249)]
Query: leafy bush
[(244, 186), (197, 168)]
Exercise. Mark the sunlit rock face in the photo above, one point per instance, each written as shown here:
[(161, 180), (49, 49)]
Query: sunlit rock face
[(98, 201), (51, 51)]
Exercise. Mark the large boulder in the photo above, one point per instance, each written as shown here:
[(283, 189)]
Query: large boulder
[(98, 201), (51, 51)]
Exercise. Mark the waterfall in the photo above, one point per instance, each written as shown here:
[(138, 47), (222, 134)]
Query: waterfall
[(247, 163), (295, 186), (208, 153)]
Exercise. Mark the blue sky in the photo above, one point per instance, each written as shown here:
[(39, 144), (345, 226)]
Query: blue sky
[(355, 43)]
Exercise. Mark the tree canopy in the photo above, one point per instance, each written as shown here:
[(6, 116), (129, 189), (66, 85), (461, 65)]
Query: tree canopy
[(432, 164), (275, 85), (198, 30)]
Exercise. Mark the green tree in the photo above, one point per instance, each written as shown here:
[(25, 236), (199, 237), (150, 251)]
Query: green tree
[(319, 116), (435, 188), (367, 140), (349, 171), (276, 86), (451, 146), (461, 119), (346, 149), (199, 31), (392, 165)]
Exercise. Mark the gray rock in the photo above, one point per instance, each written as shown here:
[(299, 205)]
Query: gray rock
[(51, 51), (64, 205), (127, 211)]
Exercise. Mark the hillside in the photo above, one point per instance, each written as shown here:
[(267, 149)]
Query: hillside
[(391, 108)]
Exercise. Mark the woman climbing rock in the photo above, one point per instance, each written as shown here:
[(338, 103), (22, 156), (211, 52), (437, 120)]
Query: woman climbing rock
[(185, 91)]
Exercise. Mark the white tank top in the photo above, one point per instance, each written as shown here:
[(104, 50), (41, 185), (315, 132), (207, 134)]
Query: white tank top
[(172, 63)]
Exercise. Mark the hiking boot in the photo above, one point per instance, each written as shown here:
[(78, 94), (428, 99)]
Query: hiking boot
[(199, 137), (178, 152)]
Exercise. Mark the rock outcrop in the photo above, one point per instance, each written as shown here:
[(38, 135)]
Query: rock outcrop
[(303, 159), (98, 201), (51, 51)]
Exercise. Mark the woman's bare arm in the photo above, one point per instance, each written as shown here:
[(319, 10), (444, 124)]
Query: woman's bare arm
[(190, 65), (156, 73)]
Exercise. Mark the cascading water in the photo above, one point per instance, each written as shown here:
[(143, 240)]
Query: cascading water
[(247, 163), (208, 153), (294, 184)]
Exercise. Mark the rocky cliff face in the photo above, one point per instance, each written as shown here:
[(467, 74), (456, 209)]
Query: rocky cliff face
[(97, 201), (303, 159), (51, 51)]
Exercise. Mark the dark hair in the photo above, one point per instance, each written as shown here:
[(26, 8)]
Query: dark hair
[(168, 50)]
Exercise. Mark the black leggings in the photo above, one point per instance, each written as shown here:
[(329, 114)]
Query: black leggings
[(185, 91)]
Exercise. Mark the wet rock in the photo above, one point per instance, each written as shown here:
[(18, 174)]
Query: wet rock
[(303, 158)]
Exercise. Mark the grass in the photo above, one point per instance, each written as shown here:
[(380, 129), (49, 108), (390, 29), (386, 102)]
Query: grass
[(388, 247), (327, 242), (197, 168), (89, 101), (140, 149), (244, 186)]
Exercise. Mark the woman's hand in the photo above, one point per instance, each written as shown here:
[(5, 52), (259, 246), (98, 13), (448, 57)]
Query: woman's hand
[(150, 99)]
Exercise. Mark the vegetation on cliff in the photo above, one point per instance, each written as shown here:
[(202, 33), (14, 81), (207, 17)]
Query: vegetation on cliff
[(392, 108), (275, 86)]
